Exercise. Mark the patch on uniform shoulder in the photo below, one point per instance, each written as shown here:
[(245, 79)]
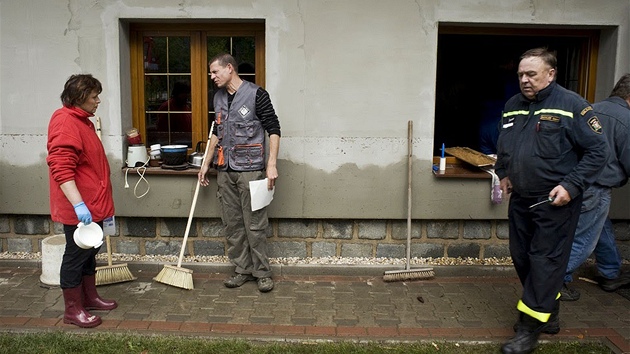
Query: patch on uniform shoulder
[(595, 125), (550, 118), (589, 108), (243, 110)]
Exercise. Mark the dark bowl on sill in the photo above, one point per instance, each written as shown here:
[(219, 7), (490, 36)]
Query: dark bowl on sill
[(174, 155)]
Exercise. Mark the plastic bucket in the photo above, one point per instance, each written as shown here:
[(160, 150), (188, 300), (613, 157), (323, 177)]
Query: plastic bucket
[(88, 236)]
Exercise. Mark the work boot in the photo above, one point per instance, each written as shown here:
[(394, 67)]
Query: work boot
[(91, 299), (237, 280), (614, 284), (569, 294), (526, 338), (75, 313)]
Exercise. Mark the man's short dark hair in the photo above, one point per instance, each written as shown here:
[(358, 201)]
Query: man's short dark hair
[(622, 88), (547, 56), (224, 59), (78, 89)]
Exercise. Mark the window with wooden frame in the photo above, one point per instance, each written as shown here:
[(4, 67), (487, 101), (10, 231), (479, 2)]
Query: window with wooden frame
[(476, 75), (171, 89)]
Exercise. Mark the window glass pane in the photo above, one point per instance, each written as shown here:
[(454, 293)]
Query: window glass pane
[(155, 92), (218, 45), (154, 54), (244, 51), (174, 114), (179, 54)]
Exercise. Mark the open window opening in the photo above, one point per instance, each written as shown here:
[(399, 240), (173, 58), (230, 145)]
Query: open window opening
[(476, 75)]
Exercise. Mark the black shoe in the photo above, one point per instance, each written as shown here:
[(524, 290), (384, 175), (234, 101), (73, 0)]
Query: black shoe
[(526, 338), (614, 284), (237, 280), (569, 294), (524, 342)]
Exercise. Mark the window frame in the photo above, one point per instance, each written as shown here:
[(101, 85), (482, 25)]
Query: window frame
[(198, 33)]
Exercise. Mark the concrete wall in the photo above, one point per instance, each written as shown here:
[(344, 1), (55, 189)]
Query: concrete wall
[(344, 76)]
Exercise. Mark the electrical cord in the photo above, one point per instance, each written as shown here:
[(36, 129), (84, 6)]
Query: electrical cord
[(140, 171)]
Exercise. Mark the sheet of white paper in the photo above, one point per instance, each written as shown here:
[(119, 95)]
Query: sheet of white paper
[(261, 196)]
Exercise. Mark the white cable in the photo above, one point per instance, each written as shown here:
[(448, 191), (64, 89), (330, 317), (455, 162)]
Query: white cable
[(141, 170)]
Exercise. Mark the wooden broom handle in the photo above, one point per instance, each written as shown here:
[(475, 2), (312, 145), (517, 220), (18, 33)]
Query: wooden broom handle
[(194, 203), (109, 250), (409, 174)]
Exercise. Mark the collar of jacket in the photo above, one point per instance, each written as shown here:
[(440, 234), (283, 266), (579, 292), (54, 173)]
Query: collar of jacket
[(618, 100), (542, 94), (78, 112)]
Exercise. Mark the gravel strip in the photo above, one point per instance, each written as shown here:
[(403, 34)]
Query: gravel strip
[(120, 257)]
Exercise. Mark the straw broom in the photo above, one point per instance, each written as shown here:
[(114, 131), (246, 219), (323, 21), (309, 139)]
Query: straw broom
[(111, 274), (408, 273), (176, 275)]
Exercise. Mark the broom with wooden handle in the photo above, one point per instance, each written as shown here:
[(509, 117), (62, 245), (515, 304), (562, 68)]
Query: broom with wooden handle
[(111, 273), (408, 273), (176, 275)]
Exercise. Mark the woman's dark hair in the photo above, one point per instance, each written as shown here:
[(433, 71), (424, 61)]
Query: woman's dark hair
[(78, 88)]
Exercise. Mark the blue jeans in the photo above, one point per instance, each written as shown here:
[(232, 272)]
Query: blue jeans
[(606, 253), (593, 215)]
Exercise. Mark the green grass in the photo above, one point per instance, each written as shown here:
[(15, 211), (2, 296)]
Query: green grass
[(64, 343)]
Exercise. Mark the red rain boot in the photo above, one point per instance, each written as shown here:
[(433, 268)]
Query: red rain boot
[(75, 312), (91, 299)]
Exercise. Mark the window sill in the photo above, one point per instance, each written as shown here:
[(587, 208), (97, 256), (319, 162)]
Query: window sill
[(456, 168), (190, 171)]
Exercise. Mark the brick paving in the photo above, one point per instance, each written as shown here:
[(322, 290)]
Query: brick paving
[(311, 307)]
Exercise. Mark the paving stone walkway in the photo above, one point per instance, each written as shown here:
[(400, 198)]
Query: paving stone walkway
[(457, 306)]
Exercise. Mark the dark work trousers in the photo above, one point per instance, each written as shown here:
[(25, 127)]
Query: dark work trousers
[(540, 245), (246, 230), (77, 262)]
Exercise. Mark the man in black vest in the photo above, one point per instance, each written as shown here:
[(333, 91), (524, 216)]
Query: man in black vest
[(243, 113)]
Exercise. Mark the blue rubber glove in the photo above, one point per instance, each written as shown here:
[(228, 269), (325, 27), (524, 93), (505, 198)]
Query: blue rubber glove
[(83, 213)]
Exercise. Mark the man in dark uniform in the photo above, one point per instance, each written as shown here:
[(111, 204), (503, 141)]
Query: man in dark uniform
[(594, 231), (550, 149)]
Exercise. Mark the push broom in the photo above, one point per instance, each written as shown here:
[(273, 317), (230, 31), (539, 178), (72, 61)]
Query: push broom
[(408, 273), (111, 273), (176, 275)]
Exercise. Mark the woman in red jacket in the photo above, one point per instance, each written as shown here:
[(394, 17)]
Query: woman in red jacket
[(80, 191)]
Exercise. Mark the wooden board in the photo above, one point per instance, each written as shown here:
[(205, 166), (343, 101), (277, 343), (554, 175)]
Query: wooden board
[(471, 156)]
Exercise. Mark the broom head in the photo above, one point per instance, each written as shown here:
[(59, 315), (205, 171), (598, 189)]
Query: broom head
[(176, 276), (116, 273), (408, 274)]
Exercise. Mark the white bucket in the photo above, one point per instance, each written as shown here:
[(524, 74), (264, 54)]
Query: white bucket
[(52, 255), (88, 236)]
